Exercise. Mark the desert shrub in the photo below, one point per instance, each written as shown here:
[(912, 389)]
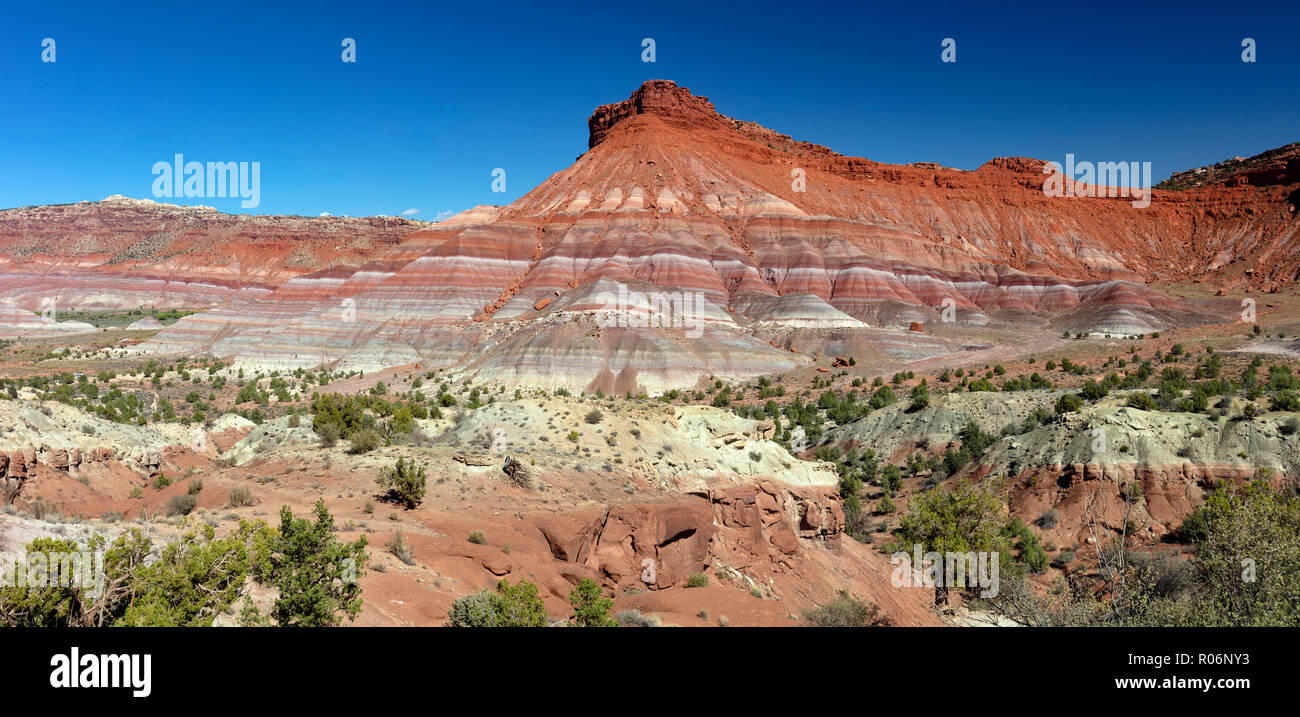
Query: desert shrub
[(316, 574), (1067, 403), (510, 606), (347, 412), (845, 611), (1194, 527), (1285, 400), (590, 608), (594, 416), (1141, 401), (405, 482), (329, 434), (920, 397), (162, 481), (364, 441), (1280, 378), (239, 497), (966, 518), (1032, 553), (188, 583), (181, 505), (697, 580), (1165, 574), (1093, 391), (477, 538), (635, 618), (1049, 519), (398, 547)]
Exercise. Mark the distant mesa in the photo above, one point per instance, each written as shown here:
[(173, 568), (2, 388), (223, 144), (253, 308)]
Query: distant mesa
[(682, 244)]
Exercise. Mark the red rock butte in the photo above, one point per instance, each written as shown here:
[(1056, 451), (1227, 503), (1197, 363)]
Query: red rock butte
[(683, 244)]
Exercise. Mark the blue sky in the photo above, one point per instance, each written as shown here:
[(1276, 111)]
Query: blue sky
[(442, 93)]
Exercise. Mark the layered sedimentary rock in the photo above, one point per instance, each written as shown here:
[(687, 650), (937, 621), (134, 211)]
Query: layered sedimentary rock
[(668, 248), (123, 253), (17, 323)]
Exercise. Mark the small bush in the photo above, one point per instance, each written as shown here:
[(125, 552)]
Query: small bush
[(590, 608), (510, 606), (1067, 403), (329, 434), (594, 416), (846, 611), (398, 547), (181, 505), (697, 580), (239, 497), (364, 441), (1142, 402), (405, 482), (635, 618), (1049, 519), (477, 538)]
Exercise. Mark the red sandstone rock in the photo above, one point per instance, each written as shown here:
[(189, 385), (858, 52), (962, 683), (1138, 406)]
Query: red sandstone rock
[(675, 199)]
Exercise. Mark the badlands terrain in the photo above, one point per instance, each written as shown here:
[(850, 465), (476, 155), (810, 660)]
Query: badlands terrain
[(721, 373)]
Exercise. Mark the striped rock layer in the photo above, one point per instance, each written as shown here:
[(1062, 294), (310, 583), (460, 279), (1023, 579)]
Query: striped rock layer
[(682, 237)]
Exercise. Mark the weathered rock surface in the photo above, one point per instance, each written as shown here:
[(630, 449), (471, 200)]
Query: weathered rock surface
[(658, 256), (1093, 453)]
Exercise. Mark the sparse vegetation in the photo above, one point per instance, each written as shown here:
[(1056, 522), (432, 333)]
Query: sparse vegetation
[(508, 606), (405, 482), (845, 611)]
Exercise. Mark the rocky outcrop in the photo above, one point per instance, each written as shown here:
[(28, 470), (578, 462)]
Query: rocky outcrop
[(50, 436), (658, 97), (657, 545), (1168, 459)]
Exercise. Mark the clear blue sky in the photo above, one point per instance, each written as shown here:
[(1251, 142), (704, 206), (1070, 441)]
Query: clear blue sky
[(442, 93)]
